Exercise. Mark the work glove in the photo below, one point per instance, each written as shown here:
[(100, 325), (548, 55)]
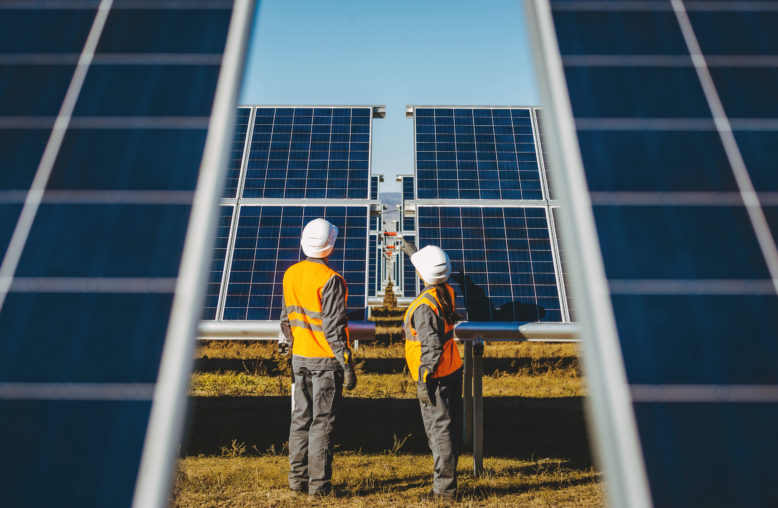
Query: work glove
[(284, 347), (409, 248), (349, 375), (423, 392)]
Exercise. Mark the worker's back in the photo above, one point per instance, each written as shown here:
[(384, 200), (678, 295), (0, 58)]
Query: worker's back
[(303, 286)]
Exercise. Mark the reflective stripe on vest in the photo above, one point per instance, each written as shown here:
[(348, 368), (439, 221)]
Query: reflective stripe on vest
[(303, 286), (449, 358)]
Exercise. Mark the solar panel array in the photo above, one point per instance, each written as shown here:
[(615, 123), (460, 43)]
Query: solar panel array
[(675, 111), (502, 262), (267, 242), (476, 153), (312, 153), (242, 120), (505, 260), (104, 112), (310, 162)]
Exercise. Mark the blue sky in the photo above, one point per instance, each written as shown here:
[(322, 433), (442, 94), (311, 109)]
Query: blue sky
[(392, 53)]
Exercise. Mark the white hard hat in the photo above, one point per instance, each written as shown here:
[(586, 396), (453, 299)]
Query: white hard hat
[(318, 238), (433, 264)]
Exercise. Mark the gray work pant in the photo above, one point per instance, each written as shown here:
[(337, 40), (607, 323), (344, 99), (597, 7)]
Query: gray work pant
[(443, 423), (315, 399)]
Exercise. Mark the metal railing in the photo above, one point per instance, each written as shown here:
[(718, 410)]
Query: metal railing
[(472, 333)]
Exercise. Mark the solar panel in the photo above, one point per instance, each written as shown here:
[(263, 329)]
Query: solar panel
[(674, 108), (410, 284), (409, 224), (541, 137), (242, 120), (307, 152), (267, 242), (407, 188), (372, 276), (502, 263), (476, 153), (102, 133), (563, 266), (217, 264), (374, 187)]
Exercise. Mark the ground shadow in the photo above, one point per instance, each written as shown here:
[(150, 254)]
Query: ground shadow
[(516, 427)]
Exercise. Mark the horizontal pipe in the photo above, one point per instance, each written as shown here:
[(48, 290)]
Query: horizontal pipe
[(268, 330), (509, 331), (365, 331)]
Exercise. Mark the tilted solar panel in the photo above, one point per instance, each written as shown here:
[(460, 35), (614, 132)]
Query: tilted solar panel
[(502, 263), (407, 188), (242, 119), (220, 248), (307, 152), (267, 242), (409, 224), (410, 284), (372, 277), (374, 180), (104, 112), (476, 153), (669, 112)]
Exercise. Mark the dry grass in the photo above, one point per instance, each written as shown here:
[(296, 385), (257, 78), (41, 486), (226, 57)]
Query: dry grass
[(239, 391), (511, 370), (385, 479)]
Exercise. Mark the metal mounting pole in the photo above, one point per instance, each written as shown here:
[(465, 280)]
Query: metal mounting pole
[(467, 420), (478, 408)]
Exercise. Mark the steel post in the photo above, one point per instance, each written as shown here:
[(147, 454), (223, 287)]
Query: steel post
[(478, 408), (467, 388)]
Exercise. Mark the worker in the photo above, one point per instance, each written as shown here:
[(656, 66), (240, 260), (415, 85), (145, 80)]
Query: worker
[(434, 363), (314, 322)]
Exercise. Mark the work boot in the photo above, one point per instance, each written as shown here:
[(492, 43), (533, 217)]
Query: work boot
[(325, 492), (434, 496), (299, 489)]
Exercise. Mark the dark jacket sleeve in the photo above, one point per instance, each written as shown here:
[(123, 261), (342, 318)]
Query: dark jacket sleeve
[(430, 329), (286, 328), (334, 320)]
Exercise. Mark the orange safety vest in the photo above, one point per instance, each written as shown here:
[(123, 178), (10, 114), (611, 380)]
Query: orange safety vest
[(449, 358), (303, 284)]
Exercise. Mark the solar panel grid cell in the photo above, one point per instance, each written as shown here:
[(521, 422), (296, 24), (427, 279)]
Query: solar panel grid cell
[(236, 155), (217, 265), (502, 263), (267, 242), (309, 153), (465, 153)]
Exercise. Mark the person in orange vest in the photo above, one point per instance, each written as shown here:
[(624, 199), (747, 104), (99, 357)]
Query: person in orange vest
[(314, 321), (435, 365)]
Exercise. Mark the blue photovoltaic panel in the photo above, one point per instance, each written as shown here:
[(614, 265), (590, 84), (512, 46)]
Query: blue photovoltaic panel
[(562, 266), (408, 188), (502, 264), (694, 301), (309, 153), (217, 264), (91, 296), (375, 223), (409, 224), (267, 242), (372, 249), (236, 155), (544, 152), (481, 153), (373, 187), (409, 273)]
